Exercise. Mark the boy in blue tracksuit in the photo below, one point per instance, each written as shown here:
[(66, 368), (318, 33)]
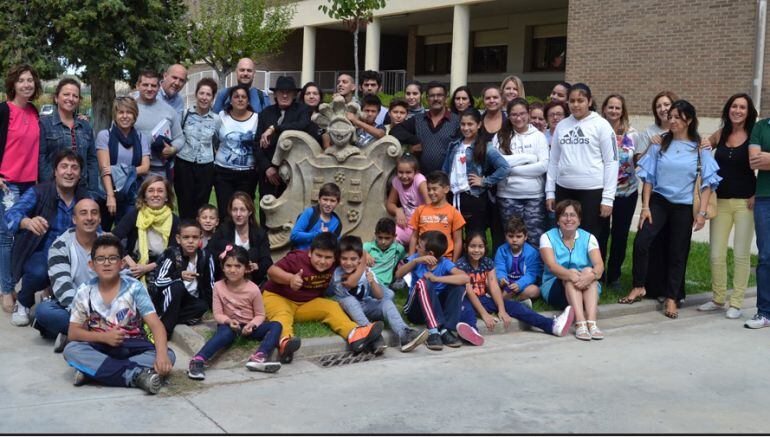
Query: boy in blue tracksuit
[(317, 219), (517, 264)]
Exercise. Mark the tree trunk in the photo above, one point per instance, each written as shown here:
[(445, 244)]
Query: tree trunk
[(102, 96), (222, 76), (355, 53)]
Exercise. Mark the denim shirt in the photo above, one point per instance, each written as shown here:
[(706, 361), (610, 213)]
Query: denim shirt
[(200, 134), (55, 136), (494, 161)]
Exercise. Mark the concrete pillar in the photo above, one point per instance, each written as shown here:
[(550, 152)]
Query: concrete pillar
[(308, 54), (372, 58), (460, 38)]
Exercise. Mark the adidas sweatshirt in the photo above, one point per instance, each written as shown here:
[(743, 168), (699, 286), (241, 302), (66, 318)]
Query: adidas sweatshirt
[(583, 157), (529, 164)]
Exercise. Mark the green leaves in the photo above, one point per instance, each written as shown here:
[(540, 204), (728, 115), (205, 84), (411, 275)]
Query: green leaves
[(351, 9), (220, 32)]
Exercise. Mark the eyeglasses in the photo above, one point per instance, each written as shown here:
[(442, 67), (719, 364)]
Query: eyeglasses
[(101, 260)]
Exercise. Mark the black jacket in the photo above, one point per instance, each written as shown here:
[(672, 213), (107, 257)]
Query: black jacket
[(296, 117), (173, 262), (259, 249), (127, 230)]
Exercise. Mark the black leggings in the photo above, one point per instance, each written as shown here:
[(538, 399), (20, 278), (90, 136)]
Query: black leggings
[(227, 182), (590, 203), (192, 184)]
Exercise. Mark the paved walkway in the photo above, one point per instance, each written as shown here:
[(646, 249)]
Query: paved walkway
[(701, 373)]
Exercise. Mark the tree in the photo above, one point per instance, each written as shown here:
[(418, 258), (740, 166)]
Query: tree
[(355, 14), (221, 32), (114, 40), (24, 37)]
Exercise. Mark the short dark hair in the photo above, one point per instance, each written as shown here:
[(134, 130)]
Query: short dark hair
[(189, 223), (371, 75), (70, 155), (13, 75), (106, 240), (385, 225), (371, 100), (325, 241), (398, 102), (209, 82), (351, 242), (330, 189), (515, 225), (231, 91), (208, 207), (435, 84), (408, 158), (438, 177), (240, 254), (149, 74), (64, 82), (466, 90), (434, 242), (566, 203)]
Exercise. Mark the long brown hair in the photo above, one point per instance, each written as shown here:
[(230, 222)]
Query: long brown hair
[(247, 200), (624, 123)]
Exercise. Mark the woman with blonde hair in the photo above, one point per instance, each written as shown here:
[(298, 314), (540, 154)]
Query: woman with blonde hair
[(511, 88)]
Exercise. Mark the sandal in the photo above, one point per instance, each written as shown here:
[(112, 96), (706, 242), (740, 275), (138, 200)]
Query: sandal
[(593, 329), (671, 314), (626, 300), (581, 331)]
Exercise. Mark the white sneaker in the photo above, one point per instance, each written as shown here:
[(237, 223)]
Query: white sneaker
[(756, 322), (20, 315), (562, 322), (710, 306), (733, 313)]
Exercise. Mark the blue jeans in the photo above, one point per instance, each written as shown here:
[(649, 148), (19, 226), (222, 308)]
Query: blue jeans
[(762, 226), (514, 308), (435, 310), (268, 333), (362, 311), (113, 366), (35, 277), (51, 319), (9, 198)]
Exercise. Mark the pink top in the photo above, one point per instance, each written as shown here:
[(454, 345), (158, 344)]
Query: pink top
[(410, 197), (244, 306), (22, 146)]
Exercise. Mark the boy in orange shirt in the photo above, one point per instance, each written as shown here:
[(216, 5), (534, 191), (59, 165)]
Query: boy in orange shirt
[(438, 215)]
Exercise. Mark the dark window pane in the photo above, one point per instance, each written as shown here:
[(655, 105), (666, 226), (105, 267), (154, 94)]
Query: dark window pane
[(549, 54), (493, 59)]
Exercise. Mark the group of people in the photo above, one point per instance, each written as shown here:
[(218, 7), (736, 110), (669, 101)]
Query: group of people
[(89, 217)]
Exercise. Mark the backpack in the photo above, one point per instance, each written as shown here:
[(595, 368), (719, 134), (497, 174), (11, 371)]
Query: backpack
[(316, 216)]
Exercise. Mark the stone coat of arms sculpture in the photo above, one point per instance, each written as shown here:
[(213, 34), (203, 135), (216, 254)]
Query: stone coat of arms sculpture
[(361, 173)]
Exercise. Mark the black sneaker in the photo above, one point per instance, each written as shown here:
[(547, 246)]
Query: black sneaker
[(410, 339), (148, 381), (286, 349), (196, 370), (364, 335), (450, 339), (378, 346), (193, 322), (58, 345), (434, 342)]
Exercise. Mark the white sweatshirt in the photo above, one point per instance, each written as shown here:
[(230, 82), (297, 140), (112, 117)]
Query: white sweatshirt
[(583, 157), (529, 163)]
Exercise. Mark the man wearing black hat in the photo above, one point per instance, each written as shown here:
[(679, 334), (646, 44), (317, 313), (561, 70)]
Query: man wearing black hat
[(286, 114)]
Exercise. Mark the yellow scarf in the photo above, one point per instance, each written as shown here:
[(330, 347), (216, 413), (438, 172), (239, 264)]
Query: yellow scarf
[(160, 221)]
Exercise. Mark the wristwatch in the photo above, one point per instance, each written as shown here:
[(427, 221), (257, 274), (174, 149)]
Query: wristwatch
[(704, 214)]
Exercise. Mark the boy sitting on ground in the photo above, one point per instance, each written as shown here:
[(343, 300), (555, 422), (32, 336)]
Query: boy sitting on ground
[(385, 253), (295, 291), (184, 279), (317, 219), (107, 341), (436, 294), (363, 298), (517, 264)]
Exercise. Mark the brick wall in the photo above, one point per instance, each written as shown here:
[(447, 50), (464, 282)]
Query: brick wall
[(701, 49)]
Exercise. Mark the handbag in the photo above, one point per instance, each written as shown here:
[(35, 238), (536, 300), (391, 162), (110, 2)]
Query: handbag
[(711, 208)]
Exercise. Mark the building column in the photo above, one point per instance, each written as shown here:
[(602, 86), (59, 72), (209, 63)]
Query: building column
[(460, 39), (372, 59), (308, 54)]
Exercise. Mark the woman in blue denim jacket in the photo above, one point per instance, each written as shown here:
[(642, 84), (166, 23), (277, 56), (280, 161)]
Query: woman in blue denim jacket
[(65, 130), (194, 165), (473, 167)]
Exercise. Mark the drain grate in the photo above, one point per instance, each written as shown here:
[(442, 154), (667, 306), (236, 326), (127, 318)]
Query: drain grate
[(342, 359)]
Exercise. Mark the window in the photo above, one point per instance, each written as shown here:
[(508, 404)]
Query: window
[(547, 47), (437, 58), (492, 59)]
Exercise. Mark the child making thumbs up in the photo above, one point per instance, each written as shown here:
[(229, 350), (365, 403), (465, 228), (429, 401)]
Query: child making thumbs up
[(295, 291)]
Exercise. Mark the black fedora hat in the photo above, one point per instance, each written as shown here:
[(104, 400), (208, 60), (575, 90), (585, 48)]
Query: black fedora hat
[(285, 83)]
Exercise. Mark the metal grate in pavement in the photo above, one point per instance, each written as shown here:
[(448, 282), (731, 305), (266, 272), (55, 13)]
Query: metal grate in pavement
[(342, 359)]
